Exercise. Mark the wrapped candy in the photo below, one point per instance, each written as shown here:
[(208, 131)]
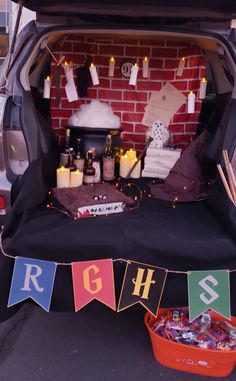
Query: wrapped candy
[(203, 332)]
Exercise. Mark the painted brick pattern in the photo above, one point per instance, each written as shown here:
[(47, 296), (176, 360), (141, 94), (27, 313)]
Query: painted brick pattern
[(128, 102)]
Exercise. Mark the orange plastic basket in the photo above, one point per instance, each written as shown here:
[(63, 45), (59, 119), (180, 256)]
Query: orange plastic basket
[(187, 358)]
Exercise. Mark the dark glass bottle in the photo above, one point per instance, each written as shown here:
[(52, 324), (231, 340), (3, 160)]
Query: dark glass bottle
[(70, 163), (89, 170), (79, 161), (108, 161)]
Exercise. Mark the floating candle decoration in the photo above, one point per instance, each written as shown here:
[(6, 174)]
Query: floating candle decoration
[(94, 75), (133, 74), (180, 69), (145, 67), (191, 102), (203, 86), (111, 67), (47, 88)]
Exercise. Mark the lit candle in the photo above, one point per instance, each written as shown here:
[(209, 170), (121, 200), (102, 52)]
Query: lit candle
[(203, 86), (76, 178), (145, 67), (131, 154), (191, 102), (125, 165), (47, 87), (180, 69), (136, 173), (63, 177), (111, 67), (133, 75), (94, 74)]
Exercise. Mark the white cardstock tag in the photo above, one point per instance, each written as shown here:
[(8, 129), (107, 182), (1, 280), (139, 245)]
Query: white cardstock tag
[(100, 209)]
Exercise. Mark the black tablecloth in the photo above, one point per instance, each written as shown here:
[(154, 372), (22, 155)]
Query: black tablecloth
[(187, 237)]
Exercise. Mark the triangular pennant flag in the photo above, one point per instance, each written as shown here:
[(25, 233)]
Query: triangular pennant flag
[(142, 284), (209, 290), (93, 280), (32, 278)]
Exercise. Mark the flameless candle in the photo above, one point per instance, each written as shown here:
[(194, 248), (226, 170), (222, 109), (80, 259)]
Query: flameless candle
[(94, 75), (203, 86), (136, 173), (47, 87), (76, 178), (180, 69), (125, 165), (131, 154), (111, 67), (145, 67), (63, 177), (191, 102), (133, 75)]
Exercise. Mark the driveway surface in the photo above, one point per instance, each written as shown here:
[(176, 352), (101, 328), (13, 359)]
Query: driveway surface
[(91, 345)]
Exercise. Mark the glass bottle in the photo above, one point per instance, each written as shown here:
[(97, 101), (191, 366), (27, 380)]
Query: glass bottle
[(70, 163), (89, 170), (96, 165), (108, 161), (79, 162), (65, 154)]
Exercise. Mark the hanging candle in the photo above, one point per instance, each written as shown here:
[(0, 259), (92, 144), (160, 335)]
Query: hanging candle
[(133, 74), (111, 67), (180, 68), (145, 67), (191, 102), (94, 74), (47, 87), (203, 86)]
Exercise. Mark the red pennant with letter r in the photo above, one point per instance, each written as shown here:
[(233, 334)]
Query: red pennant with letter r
[(93, 280)]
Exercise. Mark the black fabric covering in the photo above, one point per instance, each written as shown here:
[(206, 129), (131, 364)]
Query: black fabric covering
[(190, 236)]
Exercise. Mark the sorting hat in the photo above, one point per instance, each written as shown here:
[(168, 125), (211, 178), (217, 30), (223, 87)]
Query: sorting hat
[(185, 181)]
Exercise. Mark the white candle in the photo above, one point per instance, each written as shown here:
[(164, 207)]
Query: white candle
[(125, 165), (136, 173), (76, 178), (191, 102), (133, 75), (145, 67), (203, 86), (63, 177), (180, 69), (47, 87), (131, 154), (111, 67), (94, 75)]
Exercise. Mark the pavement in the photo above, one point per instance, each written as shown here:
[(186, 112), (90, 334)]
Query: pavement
[(94, 344)]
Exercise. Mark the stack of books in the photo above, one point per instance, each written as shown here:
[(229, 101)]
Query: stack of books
[(159, 161)]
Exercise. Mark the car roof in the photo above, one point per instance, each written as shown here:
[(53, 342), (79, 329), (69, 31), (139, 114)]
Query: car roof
[(220, 9)]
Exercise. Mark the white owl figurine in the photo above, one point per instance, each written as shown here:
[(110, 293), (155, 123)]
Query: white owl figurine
[(159, 133)]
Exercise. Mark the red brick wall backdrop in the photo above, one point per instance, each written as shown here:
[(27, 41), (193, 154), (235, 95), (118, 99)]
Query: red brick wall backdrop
[(127, 101)]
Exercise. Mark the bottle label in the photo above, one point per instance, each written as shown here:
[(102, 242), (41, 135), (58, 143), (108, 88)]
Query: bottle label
[(89, 179), (108, 168)]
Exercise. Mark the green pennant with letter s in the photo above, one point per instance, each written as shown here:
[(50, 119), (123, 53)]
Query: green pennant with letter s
[(209, 290)]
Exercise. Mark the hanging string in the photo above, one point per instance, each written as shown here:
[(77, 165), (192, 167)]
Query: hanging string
[(122, 260)]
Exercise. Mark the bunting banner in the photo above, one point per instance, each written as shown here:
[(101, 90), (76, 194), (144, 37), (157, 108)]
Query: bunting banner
[(93, 280), (209, 290), (32, 278), (142, 284)]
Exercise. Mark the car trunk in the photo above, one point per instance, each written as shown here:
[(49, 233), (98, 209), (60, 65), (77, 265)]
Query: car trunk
[(158, 232)]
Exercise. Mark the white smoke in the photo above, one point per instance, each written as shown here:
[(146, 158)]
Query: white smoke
[(96, 115)]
